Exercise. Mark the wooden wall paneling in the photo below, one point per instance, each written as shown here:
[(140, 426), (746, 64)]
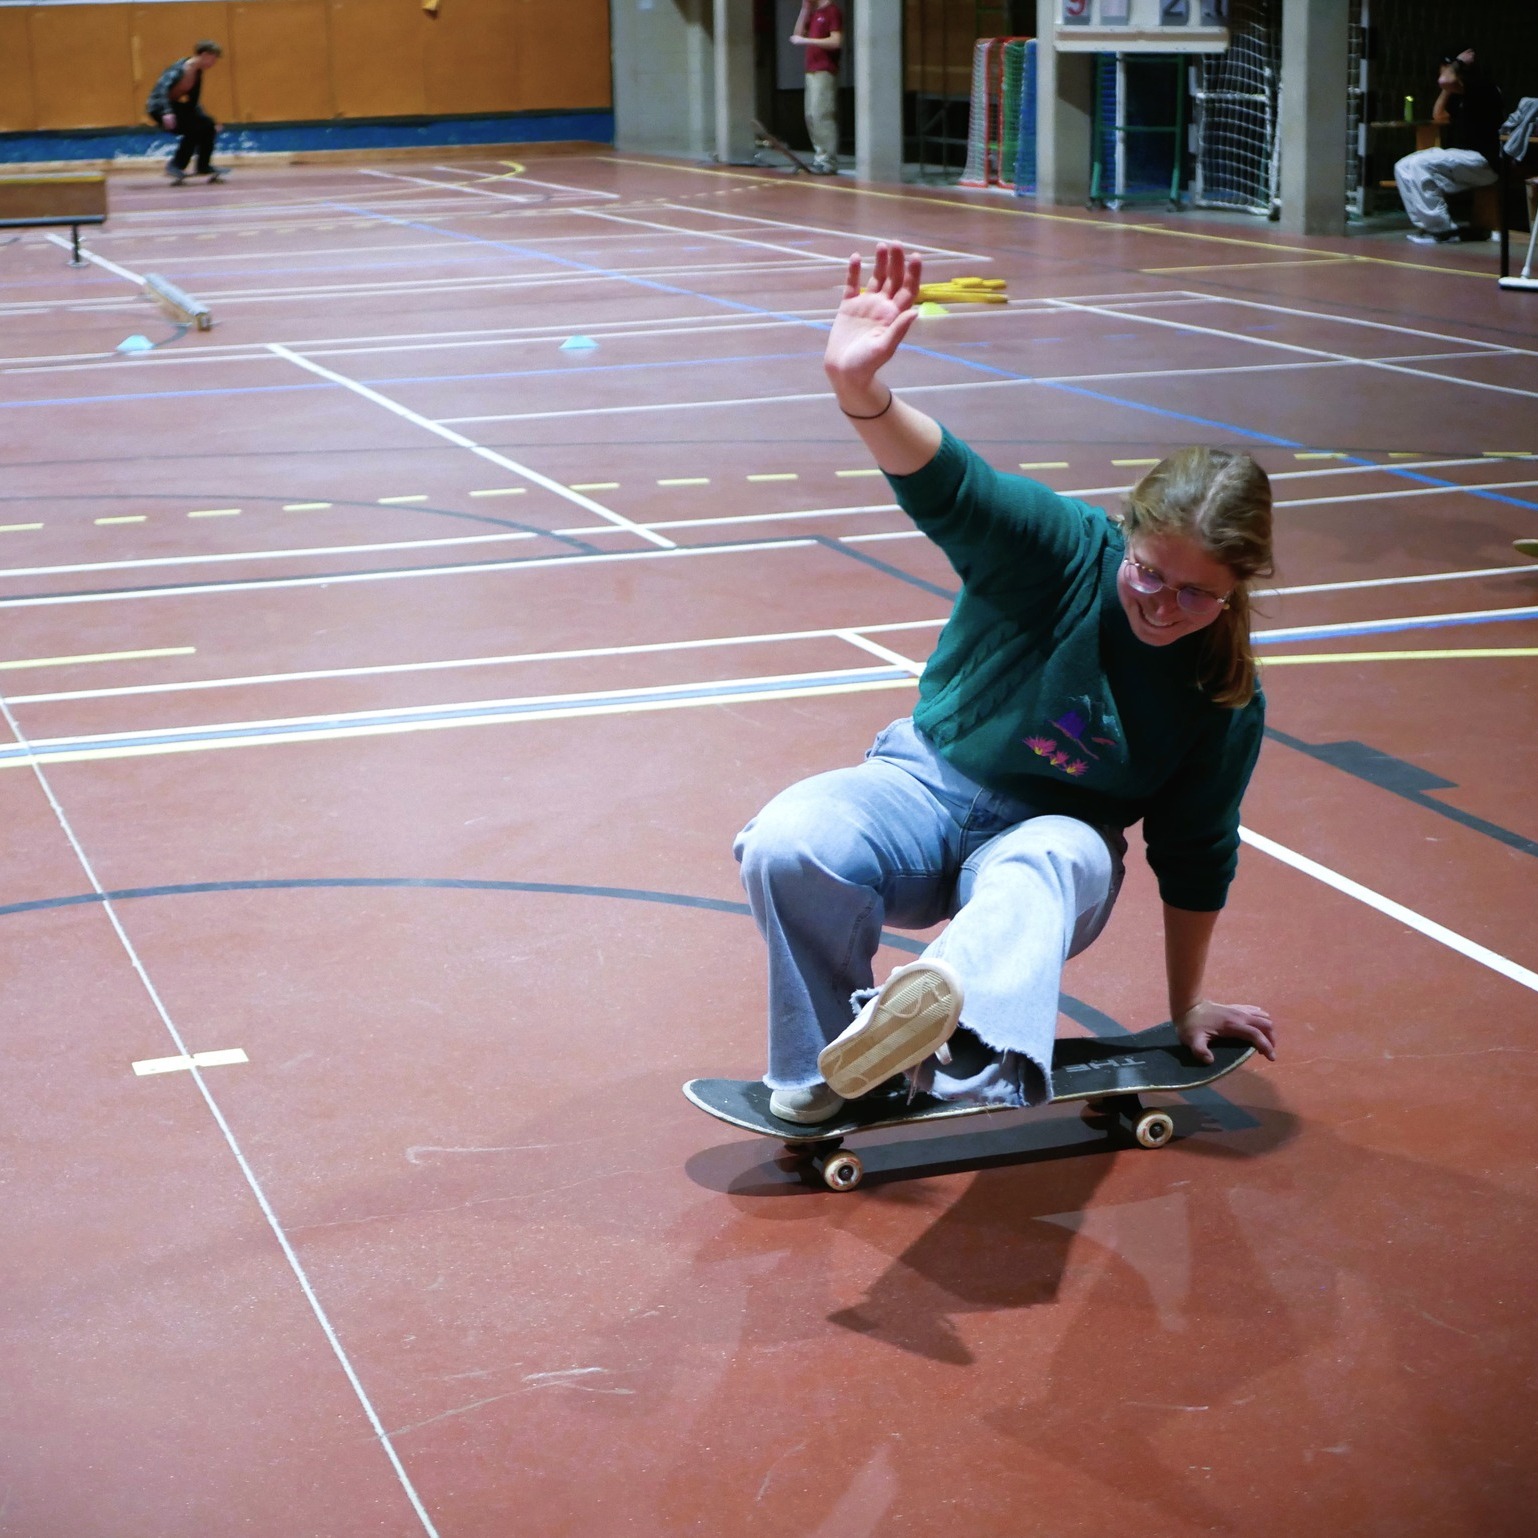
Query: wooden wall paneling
[(563, 54), (161, 34), (471, 58), (279, 58), (80, 66), (18, 103), (377, 49)]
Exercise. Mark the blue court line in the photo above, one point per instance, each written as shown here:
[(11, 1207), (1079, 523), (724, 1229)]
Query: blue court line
[(1094, 1020), (23, 752), (1229, 428), (163, 395), (1389, 626)]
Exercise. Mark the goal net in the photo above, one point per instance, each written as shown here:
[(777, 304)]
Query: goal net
[(1003, 74), (1234, 114)]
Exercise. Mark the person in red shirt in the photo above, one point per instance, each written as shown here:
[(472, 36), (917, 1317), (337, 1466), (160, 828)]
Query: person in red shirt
[(820, 30)]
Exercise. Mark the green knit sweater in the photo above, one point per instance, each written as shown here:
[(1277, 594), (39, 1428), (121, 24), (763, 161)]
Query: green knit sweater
[(1038, 688)]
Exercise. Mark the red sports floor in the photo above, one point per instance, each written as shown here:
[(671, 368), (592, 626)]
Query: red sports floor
[(385, 678)]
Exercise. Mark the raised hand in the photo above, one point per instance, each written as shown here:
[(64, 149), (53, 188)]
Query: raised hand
[(872, 322), (1205, 1020)]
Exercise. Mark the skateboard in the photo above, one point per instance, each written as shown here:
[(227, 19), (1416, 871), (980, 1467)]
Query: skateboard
[(1108, 1076), (775, 143)]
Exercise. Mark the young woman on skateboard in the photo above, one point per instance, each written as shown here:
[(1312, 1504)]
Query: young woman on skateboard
[(1094, 672)]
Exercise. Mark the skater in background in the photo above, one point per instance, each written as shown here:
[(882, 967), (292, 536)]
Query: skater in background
[(820, 30), (173, 105)]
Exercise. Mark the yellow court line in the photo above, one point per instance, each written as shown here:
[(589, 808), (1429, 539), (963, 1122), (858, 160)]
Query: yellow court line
[(216, 512), (1318, 259), (63, 662), (123, 518), (500, 491), (1477, 651), (831, 184), (783, 475), (17, 528), (304, 507), (594, 486), (1052, 464), (395, 501), (836, 472), (1123, 463), (1317, 454), (687, 480)]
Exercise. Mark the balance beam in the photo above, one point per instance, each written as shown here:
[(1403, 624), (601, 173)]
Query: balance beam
[(70, 197), (177, 304)]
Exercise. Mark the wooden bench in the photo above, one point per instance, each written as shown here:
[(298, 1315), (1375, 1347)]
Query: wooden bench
[(69, 197)]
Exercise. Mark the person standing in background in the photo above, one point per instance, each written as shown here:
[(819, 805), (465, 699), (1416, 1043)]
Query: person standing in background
[(173, 105), (1468, 110), (820, 30)]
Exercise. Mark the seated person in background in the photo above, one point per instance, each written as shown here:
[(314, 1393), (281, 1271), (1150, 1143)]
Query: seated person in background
[(1468, 109), (173, 105)]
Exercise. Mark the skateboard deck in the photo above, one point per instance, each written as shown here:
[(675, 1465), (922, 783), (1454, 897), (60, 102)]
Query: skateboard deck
[(1112, 1073), (776, 143)]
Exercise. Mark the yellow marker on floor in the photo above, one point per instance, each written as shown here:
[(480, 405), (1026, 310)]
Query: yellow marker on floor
[(1046, 464), (962, 291), (151, 1065), (64, 662), (216, 512), (500, 491), (304, 507), (1403, 454), (1509, 454), (396, 501), (1124, 463), (594, 486), (785, 475), (1314, 454), (123, 518), (847, 473), (687, 480), (17, 528)]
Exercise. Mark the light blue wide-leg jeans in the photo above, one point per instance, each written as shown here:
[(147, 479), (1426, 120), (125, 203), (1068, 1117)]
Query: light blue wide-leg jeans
[(904, 839)]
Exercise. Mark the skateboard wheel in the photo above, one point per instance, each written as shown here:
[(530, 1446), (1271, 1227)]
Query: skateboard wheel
[(842, 1172), (1153, 1129)]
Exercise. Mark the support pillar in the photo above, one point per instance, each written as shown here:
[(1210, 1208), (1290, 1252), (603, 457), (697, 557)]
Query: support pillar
[(734, 81), (1065, 114), (878, 89), (1313, 117)]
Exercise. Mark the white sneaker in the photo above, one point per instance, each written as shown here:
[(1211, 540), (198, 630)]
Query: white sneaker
[(909, 1019), (808, 1106)]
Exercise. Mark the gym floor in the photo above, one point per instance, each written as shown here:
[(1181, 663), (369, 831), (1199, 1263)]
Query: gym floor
[(387, 671)]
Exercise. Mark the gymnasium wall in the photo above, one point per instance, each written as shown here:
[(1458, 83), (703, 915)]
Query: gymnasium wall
[(65, 66)]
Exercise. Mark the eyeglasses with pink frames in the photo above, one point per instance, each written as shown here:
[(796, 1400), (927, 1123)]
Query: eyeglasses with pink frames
[(1194, 600)]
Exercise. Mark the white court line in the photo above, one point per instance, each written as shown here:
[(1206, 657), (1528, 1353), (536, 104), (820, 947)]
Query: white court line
[(1397, 911), (853, 634), (1025, 382), (924, 250), (738, 241), (337, 579), (1408, 491), (335, 725), (1349, 320), (224, 557), (500, 197), (1433, 576), (1315, 352), (90, 256), (533, 476), (244, 1165), (1400, 622)]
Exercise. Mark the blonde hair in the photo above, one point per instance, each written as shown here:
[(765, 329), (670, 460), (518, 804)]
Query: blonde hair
[(1222, 501)]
